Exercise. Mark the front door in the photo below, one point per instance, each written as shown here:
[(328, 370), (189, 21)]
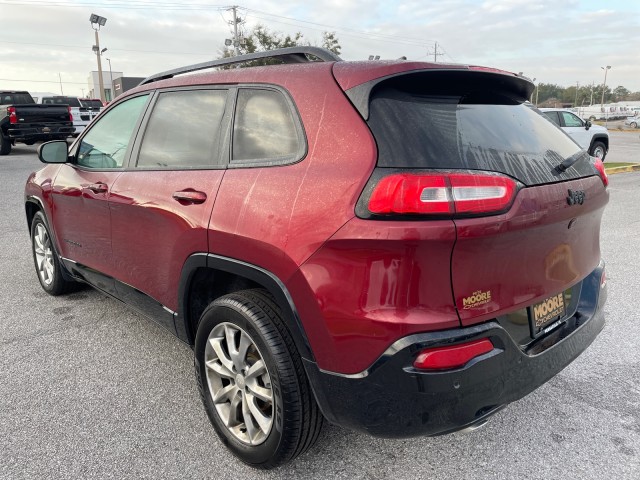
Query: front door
[(82, 188)]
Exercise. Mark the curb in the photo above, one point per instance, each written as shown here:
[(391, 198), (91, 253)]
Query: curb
[(625, 169)]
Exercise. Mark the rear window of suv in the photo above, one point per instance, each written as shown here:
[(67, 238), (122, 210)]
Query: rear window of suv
[(423, 121)]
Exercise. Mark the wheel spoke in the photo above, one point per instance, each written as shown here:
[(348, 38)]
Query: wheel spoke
[(245, 343), (225, 394), (219, 368), (216, 344), (249, 423), (262, 393), (256, 369), (263, 421)]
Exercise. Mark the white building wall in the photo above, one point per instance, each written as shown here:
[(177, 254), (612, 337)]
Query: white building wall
[(107, 79)]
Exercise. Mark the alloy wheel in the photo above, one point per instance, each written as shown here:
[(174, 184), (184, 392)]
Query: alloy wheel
[(239, 383), (44, 254)]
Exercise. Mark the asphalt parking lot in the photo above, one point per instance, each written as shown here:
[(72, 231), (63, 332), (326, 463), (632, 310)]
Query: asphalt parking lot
[(89, 389)]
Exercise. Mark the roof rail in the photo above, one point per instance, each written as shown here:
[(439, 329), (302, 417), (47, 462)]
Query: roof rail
[(287, 55)]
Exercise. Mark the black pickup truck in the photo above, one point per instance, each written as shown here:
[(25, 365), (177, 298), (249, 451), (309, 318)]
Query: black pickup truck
[(22, 120)]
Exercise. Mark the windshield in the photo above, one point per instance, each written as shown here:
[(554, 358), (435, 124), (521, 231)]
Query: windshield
[(475, 130)]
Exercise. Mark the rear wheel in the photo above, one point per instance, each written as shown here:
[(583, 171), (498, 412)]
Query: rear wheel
[(46, 259), (5, 145), (252, 382), (598, 149), (634, 125)]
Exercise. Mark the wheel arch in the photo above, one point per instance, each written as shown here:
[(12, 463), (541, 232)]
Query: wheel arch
[(600, 138), (206, 277)]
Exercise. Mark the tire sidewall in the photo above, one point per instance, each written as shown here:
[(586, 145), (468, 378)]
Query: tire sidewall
[(234, 313)]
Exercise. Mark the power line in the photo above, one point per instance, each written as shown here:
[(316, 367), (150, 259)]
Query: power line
[(119, 5)]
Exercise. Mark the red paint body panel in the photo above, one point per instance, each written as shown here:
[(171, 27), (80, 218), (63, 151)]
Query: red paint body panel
[(153, 233), (529, 253), (81, 216), (375, 282)]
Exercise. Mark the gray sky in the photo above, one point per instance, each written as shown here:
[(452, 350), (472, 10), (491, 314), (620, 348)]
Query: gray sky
[(560, 42)]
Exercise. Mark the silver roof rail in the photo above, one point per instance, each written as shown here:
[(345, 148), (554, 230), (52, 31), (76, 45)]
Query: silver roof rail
[(287, 55)]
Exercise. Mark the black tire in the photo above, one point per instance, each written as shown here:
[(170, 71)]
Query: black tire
[(5, 145), (44, 253), (592, 118), (295, 419), (634, 125), (598, 147)]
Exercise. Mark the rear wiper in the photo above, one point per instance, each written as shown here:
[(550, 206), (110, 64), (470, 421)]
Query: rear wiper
[(569, 162)]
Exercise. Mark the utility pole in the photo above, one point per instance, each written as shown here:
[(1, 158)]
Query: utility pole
[(60, 77), (575, 104), (435, 53), (236, 42), (592, 85)]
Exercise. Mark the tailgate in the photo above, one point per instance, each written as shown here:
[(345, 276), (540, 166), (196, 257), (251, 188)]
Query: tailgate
[(42, 113), (543, 245)]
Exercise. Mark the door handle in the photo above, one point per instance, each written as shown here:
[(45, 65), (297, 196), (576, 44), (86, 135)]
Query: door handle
[(190, 196), (98, 187)]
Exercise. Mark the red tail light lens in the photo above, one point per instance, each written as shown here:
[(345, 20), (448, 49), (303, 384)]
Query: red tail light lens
[(70, 114), (455, 356), (13, 118), (442, 194), (601, 171)]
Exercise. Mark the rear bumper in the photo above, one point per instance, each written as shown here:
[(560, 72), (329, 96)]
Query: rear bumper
[(39, 132), (393, 399)]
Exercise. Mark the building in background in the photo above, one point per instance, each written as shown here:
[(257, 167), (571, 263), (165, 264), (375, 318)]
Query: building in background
[(107, 79), (122, 84)]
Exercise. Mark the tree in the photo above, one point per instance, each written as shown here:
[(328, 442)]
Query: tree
[(261, 39), (620, 93)]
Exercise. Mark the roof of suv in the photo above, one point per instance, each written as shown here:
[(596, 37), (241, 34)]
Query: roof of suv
[(299, 61)]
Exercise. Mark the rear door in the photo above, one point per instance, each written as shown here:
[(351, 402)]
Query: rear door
[(465, 126), (160, 206)]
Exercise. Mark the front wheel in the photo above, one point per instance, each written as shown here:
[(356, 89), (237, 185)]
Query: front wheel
[(598, 150), (252, 381), (46, 259)]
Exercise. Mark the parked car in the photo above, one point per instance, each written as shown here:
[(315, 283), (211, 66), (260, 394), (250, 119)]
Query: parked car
[(402, 248), (23, 121), (593, 138), (632, 121), (82, 115)]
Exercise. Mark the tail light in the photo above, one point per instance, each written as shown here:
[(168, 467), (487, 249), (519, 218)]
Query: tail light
[(441, 194), (70, 114), (601, 171), (454, 356), (13, 118)]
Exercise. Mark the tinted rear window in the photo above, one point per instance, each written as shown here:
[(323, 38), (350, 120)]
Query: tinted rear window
[(91, 103), (71, 101), (477, 127), (15, 99)]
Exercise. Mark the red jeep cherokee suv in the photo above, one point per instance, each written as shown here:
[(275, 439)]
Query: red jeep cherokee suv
[(400, 247)]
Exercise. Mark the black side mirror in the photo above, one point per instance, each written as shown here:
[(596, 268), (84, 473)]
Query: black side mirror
[(53, 152), (587, 125)]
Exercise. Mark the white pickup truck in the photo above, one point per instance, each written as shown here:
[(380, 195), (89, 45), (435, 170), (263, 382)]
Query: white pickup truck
[(593, 138), (82, 115)]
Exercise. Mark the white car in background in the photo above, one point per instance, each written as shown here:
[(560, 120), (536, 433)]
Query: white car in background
[(593, 138)]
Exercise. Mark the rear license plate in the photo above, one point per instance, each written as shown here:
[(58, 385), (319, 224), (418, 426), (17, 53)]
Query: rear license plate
[(544, 314)]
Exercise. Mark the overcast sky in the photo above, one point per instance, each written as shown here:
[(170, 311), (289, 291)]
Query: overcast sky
[(560, 41)]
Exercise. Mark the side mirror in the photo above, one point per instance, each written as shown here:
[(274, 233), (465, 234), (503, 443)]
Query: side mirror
[(587, 125), (53, 152)]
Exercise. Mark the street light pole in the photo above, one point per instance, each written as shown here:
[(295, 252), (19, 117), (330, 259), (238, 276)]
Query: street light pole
[(604, 85), (98, 21), (110, 78)]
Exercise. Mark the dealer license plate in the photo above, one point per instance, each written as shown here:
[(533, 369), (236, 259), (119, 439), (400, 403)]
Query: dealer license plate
[(544, 314)]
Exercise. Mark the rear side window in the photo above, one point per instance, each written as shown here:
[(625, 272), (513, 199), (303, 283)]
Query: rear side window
[(183, 129), (553, 116), (432, 122), (265, 129)]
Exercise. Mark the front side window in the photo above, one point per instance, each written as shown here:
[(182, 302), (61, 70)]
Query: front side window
[(105, 145), (183, 129), (264, 127), (570, 120)]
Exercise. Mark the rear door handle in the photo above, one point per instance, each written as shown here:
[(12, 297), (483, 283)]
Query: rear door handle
[(98, 187), (190, 196)]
